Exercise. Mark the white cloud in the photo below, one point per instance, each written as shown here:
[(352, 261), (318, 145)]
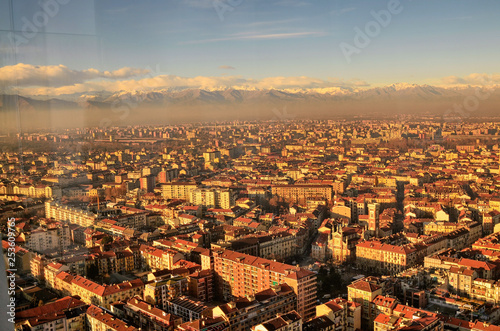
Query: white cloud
[(481, 79), (226, 67), (40, 80), (58, 75)]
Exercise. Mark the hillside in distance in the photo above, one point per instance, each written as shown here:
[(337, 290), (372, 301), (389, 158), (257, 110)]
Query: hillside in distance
[(193, 105), (396, 92)]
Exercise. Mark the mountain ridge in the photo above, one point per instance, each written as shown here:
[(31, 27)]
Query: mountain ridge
[(399, 92)]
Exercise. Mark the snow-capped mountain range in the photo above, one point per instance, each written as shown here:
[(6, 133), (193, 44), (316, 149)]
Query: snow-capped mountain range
[(189, 97)]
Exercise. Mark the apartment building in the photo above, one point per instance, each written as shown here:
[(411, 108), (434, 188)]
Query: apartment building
[(130, 220), (37, 191), (290, 321), (65, 314), (474, 229), (187, 308), (486, 290), (37, 267), (302, 191), (344, 315), (485, 269), (96, 294), (178, 190), (245, 312), (363, 292), (319, 248), (201, 285), (385, 258), (159, 259), (490, 220), (148, 317), (382, 304), (109, 262), (238, 274), (73, 215), (490, 242), (408, 318), (213, 197), (211, 156), (99, 319), (461, 279), (159, 292), (53, 238), (280, 245), (22, 261)]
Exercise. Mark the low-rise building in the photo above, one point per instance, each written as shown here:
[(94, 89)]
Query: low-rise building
[(96, 294), (186, 308), (245, 312), (408, 318), (65, 314), (100, 319), (148, 317), (160, 292), (285, 322)]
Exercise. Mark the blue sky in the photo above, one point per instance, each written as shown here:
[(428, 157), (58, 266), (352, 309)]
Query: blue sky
[(256, 39)]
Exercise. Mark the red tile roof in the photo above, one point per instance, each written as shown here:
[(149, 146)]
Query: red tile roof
[(49, 312), (109, 320)]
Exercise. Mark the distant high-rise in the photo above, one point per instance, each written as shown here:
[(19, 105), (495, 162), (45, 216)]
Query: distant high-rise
[(148, 183), (373, 219), (211, 156)]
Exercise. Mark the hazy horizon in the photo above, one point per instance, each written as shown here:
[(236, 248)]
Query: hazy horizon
[(89, 63)]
